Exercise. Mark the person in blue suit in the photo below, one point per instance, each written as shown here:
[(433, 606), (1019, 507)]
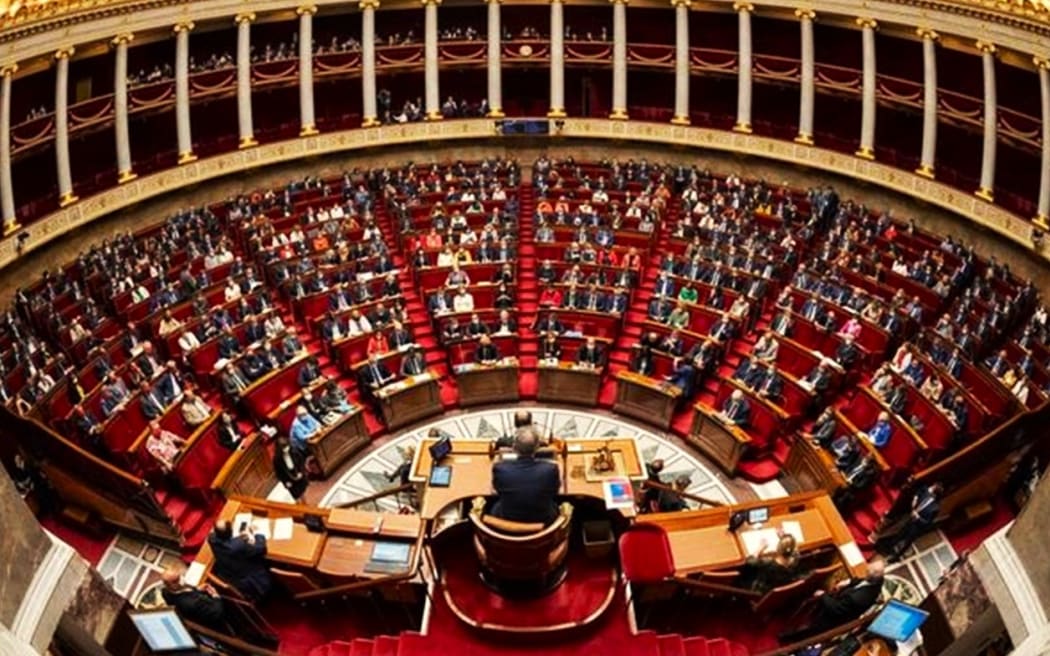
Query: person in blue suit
[(240, 559), (526, 487), (879, 434)]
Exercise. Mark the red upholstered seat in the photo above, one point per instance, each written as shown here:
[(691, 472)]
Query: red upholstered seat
[(645, 554)]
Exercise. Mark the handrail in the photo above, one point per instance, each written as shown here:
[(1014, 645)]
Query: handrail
[(787, 650), (352, 587), (375, 497), (693, 497), (715, 587), (237, 643)]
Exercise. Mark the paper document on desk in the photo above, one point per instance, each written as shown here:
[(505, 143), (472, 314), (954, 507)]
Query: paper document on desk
[(194, 573), (851, 554), (282, 528), (262, 527), (794, 529), (618, 493), (755, 539)]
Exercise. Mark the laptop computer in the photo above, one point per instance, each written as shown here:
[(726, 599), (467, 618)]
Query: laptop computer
[(389, 558)]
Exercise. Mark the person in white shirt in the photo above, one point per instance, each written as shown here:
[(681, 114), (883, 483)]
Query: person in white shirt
[(445, 257), (599, 196), (232, 292), (463, 301), (358, 324), (77, 332), (139, 294), (188, 341), (1020, 390), (273, 325), (337, 212)]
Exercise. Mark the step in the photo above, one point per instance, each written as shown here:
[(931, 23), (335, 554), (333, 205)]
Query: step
[(671, 645), (385, 646), (696, 646), (719, 647), (360, 647)]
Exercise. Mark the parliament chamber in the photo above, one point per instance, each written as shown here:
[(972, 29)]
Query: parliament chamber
[(646, 328)]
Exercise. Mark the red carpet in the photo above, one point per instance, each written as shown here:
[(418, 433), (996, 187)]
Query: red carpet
[(91, 546)]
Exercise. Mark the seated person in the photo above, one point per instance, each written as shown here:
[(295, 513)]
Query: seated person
[(333, 399), (824, 428), (476, 327), (151, 404), (233, 380), (486, 353), (453, 332), (736, 410), (818, 379), (773, 565), (240, 559), (550, 350), (309, 372), (375, 374), (771, 385), (413, 363), (163, 445), (672, 500), (766, 348), (683, 376), (194, 410), (505, 324), (198, 604), (526, 487), (230, 435), (847, 451), (589, 355), (879, 433)]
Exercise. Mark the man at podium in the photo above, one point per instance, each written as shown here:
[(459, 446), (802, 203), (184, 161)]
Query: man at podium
[(525, 486)]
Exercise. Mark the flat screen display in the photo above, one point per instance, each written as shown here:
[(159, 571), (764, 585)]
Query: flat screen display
[(758, 515), (162, 630), (897, 621)]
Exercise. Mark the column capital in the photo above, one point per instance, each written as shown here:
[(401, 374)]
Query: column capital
[(1042, 63), (368, 4), (927, 33), (9, 70), (64, 53), (742, 5), (489, 2), (681, 3), (184, 26), (618, 2), (306, 10), (869, 23), (986, 47), (430, 2), (244, 17), (557, 2), (1039, 220), (122, 39), (804, 14)]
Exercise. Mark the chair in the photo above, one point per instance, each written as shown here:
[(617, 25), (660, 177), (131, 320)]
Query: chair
[(295, 582), (785, 595), (645, 556), (521, 559)]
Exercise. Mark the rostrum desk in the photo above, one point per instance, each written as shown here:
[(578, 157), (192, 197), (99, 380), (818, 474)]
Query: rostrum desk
[(487, 383), (471, 463), (409, 400), (568, 382)]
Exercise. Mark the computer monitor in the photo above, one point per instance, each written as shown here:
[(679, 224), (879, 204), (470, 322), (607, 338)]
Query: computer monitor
[(897, 621), (758, 515), (440, 449), (163, 630)]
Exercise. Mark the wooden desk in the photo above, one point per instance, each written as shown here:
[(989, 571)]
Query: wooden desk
[(565, 382), (332, 445), (342, 551), (646, 398), (813, 467), (720, 441), (472, 470), (481, 383), (248, 471), (701, 541), (409, 400)]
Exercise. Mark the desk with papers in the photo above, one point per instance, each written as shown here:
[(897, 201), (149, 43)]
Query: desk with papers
[(701, 540)]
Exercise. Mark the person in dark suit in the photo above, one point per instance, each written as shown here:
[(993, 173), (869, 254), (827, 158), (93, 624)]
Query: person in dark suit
[(683, 377), (824, 428), (589, 354), (895, 539), (240, 559), (736, 410), (486, 353), (200, 605), (844, 603), (526, 488), (771, 385), (549, 348), (290, 467), (375, 374)]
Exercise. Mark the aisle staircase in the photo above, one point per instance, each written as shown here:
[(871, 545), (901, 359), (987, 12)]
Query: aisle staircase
[(527, 295)]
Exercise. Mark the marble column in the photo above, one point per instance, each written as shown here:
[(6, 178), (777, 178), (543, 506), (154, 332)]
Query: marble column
[(7, 189), (307, 122), (1042, 218), (557, 109), (867, 112), (681, 62), (928, 158), (987, 186), (182, 93), (120, 108), (744, 65), (432, 100), (494, 61), (65, 174), (368, 63), (807, 77), (244, 80), (619, 90)]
